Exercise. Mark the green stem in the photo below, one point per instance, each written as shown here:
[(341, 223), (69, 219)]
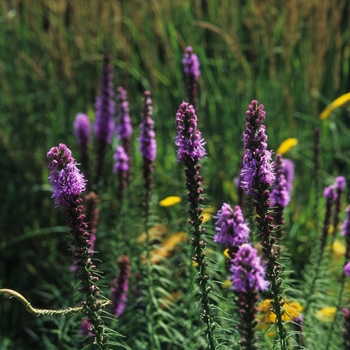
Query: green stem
[(44, 312)]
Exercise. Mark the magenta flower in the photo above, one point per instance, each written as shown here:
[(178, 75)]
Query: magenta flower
[(288, 172), (347, 269), (191, 63), (257, 167), (82, 130), (247, 271), (189, 139), (120, 286), (280, 194), (345, 228), (66, 179), (230, 226), (122, 160), (147, 141), (124, 128), (105, 105)]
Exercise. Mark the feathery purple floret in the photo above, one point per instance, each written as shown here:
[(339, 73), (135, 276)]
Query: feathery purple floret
[(82, 130), (120, 286), (122, 160), (66, 179), (257, 167), (105, 105), (347, 269), (188, 139), (247, 271), (280, 194), (147, 141), (191, 63), (332, 192), (124, 128), (230, 226), (288, 172), (86, 328), (345, 228)]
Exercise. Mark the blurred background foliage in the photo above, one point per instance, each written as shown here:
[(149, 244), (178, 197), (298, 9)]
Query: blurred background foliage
[(293, 56)]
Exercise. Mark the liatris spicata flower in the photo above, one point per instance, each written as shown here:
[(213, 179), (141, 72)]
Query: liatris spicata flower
[(104, 123), (67, 185), (82, 133), (248, 279), (280, 195), (85, 328), (192, 72), (347, 269), (121, 168), (231, 229), (190, 150), (345, 231), (147, 141), (339, 187), (288, 172), (346, 328), (257, 177), (120, 286)]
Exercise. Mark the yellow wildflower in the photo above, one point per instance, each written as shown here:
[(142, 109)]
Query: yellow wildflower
[(209, 210), (226, 284), (338, 249), (194, 263), (169, 201), (326, 314), (155, 233), (169, 300), (226, 253), (339, 102), (167, 248), (206, 217), (287, 145)]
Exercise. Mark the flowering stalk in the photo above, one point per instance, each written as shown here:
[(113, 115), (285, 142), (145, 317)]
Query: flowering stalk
[(148, 149), (190, 150), (67, 185), (120, 286), (330, 193), (339, 187), (82, 133), (192, 72), (121, 168), (317, 174), (104, 123), (248, 278), (257, 176), (280, 195)]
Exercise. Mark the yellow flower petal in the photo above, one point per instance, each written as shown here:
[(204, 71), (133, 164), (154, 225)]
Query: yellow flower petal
[(209, 210), (227, 254), (326, 314), (226, 284), (206, 217), (338, 249), (339, 102), (287, 145), (194, 263), (169, 201)]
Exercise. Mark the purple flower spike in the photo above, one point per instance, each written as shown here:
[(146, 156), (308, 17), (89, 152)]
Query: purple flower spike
[(280, 194), (188, 139), (124, 128), (345, 229), (288, 172), (191, 63), (121, 165), (347, 269), (247, 272), (66, 179), (230, 226), (82, 130), (257, 167), (148, 145), (105, 105), (120, 286)]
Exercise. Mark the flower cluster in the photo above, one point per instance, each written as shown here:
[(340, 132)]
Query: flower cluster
[(189, 138), (120, 286), (280, 194), (124, 128), (191, 63), (257, 167), (230, 226), (66, 179), (121, 160), (247, 271), (82, 130), (105, 105), (148, 145)]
